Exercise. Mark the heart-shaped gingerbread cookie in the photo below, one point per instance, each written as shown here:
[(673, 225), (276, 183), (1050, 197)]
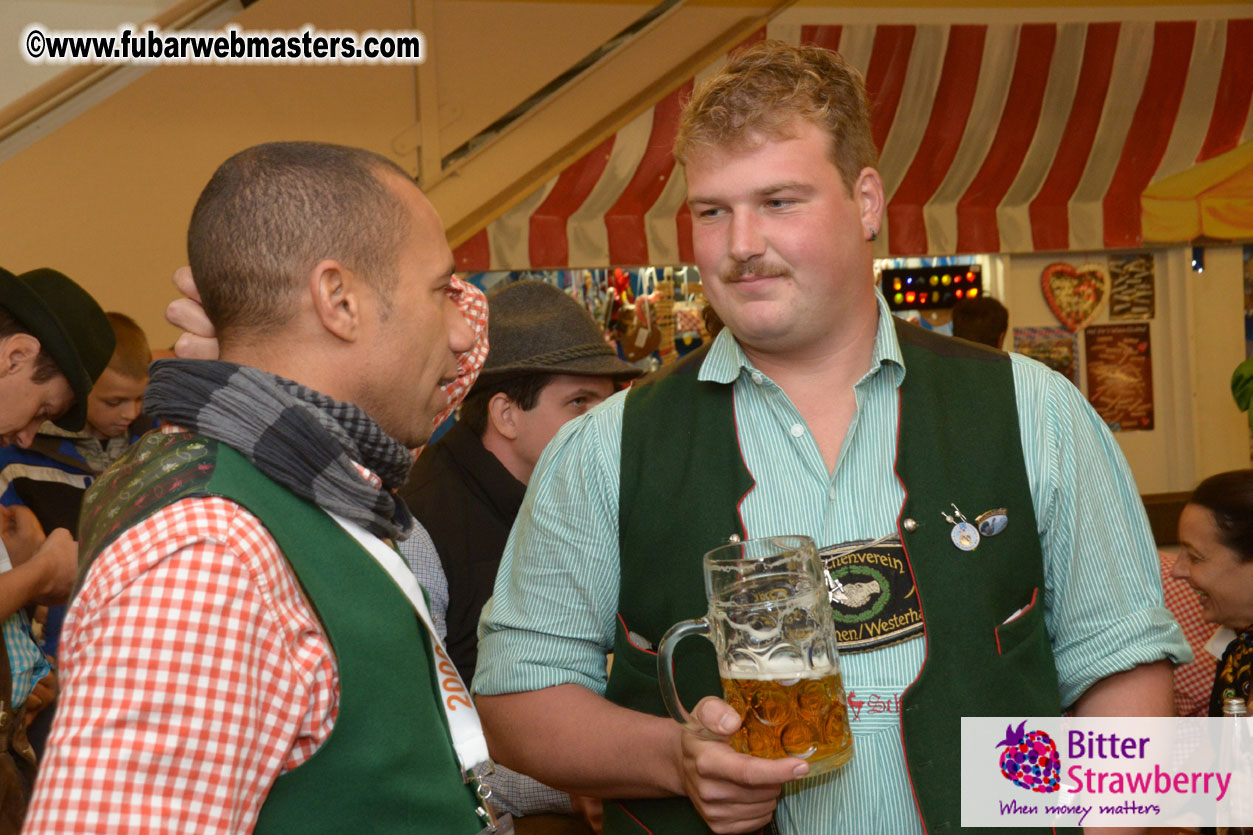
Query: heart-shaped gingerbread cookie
[(1074, 295)]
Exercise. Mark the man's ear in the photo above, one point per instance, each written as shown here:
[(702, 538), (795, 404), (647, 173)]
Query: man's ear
[(501, 414), (336, 294), (868, 191), (17, 351)]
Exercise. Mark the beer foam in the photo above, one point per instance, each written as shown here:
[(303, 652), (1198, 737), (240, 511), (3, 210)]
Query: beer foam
[(783, 673)]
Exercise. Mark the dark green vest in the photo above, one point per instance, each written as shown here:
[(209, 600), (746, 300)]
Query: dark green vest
[(388, 765), (958, 442)]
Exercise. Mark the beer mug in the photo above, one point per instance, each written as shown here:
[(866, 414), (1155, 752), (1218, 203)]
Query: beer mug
[(770, 623)]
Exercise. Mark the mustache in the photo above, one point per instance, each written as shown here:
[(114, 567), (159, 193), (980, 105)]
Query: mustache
[(756, 267)]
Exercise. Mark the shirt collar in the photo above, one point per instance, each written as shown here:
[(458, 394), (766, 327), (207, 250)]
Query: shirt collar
[(50, 428), (726, 359)]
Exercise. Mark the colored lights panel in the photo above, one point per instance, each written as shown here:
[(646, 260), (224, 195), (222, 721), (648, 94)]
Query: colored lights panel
[(943, 286)]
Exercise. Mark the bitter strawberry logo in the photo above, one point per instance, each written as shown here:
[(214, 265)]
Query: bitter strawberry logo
[(1030, 759)]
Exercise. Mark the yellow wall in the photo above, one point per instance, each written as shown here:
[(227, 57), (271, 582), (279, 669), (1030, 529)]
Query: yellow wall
[(106, 197), (1197, 339)]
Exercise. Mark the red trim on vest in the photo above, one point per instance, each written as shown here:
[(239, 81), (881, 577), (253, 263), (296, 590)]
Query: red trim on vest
[(632, 817), (1035, 592), (740, 446), (926, 638), (626, 631)]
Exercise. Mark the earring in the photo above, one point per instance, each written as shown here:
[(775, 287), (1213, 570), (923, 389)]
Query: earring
[(874, 235)]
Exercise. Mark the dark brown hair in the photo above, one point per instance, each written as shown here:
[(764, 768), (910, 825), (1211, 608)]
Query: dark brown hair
[(981, 320), (272, 212), (1229, 496), (523, 391), (45, 366)]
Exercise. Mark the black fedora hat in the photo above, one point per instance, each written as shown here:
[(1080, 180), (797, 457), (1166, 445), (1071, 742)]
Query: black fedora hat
[(69, 325), (535, 328)]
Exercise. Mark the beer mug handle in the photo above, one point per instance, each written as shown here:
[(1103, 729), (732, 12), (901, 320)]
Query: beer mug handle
[(665, 664)]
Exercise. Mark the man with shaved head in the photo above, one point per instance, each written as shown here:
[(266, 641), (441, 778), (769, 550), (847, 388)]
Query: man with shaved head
[(247, 650)]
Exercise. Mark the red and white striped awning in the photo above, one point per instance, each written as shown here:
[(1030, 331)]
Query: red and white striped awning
[(993, 138)]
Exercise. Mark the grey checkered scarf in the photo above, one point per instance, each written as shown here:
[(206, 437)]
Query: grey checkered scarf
[(301, 439)]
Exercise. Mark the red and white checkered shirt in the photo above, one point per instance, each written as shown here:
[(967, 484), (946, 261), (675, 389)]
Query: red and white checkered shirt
[(193, 674), (473, 305), (1194, 680)]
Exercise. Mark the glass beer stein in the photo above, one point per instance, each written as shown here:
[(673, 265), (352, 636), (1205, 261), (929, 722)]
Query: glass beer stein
[(770, 622)]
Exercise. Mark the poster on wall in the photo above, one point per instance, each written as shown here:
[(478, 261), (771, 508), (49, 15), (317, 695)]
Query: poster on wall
[(1055, 347), (1120, 375), (1132, 292)]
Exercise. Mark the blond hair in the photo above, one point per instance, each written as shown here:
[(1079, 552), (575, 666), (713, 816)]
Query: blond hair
[(132, 356), (762, 89)]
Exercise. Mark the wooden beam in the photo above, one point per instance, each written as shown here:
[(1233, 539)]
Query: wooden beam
[(644, 69), (427, 74), (65, 85)]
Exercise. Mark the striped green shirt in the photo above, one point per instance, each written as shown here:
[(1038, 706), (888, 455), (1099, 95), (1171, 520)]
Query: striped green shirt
[(551, 620)]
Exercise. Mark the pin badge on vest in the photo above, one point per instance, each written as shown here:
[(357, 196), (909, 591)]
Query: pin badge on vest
[(967, 536)]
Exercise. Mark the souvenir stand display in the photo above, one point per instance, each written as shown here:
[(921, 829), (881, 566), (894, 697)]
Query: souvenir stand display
[(651, 314)]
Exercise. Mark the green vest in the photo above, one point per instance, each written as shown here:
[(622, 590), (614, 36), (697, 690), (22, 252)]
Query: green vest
[(958, 442), (388, 765)]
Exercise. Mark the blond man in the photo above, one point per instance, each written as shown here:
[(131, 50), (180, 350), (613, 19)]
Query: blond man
[(814, 412)]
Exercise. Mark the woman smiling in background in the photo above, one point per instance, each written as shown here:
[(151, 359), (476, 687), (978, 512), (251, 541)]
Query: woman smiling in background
[(1216, 532)]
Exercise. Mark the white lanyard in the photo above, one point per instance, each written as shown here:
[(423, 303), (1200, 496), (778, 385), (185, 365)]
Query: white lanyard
[(464, 727)]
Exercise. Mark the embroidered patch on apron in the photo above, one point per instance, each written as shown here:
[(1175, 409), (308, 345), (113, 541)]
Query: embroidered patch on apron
[(873, 599)]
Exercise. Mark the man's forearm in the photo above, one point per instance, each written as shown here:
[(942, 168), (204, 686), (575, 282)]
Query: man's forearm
[(1145, 690), (575, 740)]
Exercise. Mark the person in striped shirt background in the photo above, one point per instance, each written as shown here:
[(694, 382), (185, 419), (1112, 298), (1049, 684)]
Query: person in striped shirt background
[(815, 412)]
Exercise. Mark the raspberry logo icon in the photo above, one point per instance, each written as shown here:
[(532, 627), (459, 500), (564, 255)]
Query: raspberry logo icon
[(1030, 759)]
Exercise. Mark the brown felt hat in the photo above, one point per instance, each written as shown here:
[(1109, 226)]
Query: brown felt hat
[(69, 325), (535, 328)]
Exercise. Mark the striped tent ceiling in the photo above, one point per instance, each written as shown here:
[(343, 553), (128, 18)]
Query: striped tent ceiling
[(1009, 138)]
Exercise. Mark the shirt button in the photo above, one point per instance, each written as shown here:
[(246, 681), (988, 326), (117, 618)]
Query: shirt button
[(757, 378), (831, 493), (797, 430)]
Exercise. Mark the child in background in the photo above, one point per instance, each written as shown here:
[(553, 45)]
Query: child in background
[(51, 476)]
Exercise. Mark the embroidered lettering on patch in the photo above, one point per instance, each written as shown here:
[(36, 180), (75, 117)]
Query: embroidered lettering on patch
[(873, 599)]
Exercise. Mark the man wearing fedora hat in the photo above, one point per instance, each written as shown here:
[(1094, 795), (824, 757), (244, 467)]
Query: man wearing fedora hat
[(54, 342), (547, 363)]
